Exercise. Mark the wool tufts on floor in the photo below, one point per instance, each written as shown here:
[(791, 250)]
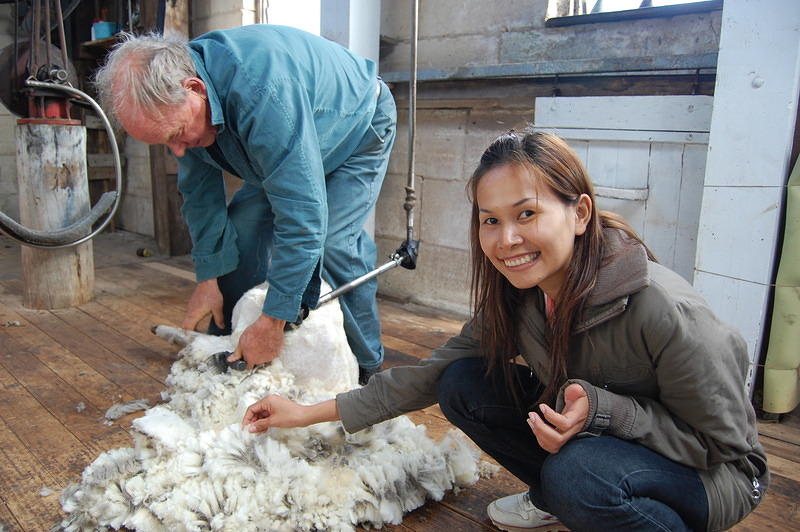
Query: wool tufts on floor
[(192, 467)]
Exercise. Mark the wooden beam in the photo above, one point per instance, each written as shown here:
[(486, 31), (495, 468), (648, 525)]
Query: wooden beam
[(53, 193), (171, 233)]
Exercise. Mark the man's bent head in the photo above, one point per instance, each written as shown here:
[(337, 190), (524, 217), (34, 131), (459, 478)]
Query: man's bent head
[(149, 86)]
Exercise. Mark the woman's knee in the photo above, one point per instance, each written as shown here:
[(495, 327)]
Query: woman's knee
[(455, 383), (567, 477)]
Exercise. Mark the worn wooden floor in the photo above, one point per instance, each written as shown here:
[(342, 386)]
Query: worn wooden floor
[(60, 370)]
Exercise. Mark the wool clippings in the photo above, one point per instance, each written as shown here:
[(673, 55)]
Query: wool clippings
[(192, 467), (123, 409)]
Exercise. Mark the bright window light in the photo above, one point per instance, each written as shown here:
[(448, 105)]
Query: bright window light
[(602, 6), (658, 3), (302, 14), (571, 8)]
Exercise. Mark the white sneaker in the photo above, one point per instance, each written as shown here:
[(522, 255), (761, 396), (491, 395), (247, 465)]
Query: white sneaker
[(516, 513)]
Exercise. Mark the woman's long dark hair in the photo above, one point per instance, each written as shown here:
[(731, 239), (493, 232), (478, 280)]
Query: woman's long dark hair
[(495, 300)]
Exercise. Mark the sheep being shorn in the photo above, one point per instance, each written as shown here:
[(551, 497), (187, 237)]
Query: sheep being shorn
[(192, 467)]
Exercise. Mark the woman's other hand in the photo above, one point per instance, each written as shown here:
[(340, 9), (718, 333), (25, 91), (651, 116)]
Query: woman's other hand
[(556, 429)]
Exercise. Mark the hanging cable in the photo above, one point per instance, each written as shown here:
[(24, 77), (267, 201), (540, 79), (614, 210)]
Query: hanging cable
[(80, 231), (411, 198), (406, 254)]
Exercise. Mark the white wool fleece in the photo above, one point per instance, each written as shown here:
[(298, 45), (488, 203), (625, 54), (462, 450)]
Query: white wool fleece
[(193, 468)]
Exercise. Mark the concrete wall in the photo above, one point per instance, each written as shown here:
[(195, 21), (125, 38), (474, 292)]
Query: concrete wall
[(455, 33), (210, 15), (8, 145), (460, 111), (135, 212)]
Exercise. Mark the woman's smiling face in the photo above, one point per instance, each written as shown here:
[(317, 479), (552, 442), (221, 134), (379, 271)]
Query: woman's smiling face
[(526, 230)]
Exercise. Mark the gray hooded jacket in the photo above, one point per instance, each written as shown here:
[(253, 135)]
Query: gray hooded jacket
[(658, 367)]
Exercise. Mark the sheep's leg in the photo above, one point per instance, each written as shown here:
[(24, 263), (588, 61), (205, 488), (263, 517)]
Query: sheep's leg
[(174, 335)]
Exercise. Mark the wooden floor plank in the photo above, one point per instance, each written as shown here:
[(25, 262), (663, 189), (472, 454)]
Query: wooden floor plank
[(28, 341), (421, 318), (129, 378), (775, 508), (56, 448), (114, 295), (158, 312), (782, 485), (8, 523), (405, 347), (39, 438), (435, 517), (183, 273), (74, 411), (23, 480), (787, 431), (165, 289), (472, 501), (129, 320), (163, 296), (786, 468), (393, 358), (154, 363), (427, 339), (430, 332), (786, 450)]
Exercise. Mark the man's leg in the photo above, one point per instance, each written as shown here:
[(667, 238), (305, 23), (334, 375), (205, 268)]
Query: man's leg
[(252, 217), (604, 483), (352, 191)]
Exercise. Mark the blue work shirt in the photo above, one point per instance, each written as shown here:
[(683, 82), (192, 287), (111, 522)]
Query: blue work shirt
[(289, 107)]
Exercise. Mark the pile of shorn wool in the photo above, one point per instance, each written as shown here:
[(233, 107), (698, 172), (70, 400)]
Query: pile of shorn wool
[(192, 466)]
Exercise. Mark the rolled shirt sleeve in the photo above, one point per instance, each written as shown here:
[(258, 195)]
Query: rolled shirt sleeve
[(214, 250)]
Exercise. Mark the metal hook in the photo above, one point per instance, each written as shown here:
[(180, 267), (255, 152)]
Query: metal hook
[(556, 89)]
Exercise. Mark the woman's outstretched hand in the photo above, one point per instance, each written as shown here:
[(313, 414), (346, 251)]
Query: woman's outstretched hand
[(277, 411), (556, 428)]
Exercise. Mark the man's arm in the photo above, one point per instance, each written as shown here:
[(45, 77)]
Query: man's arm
[(282, 145), (280, 137), (214, 250)]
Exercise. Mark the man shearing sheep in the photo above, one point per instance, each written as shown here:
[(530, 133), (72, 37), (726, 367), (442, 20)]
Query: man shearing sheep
[(308, 126)]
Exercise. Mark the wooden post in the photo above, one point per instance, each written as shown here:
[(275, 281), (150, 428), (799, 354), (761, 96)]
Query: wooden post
[(170, 231), (53, 193)]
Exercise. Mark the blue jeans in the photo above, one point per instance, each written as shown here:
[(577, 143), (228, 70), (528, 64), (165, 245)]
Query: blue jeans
[(592, 483), (352, 190)]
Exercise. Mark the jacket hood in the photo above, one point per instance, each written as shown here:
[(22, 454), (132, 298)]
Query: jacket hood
[(624, 269)]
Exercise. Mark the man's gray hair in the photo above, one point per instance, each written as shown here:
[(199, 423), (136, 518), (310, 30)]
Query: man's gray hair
[(143, 74)]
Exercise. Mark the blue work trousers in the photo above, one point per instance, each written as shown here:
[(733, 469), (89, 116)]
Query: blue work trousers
[(592, 483), (352, 190)]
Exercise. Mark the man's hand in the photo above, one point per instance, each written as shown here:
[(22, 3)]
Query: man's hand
[(260, 342), (560, 427), (206, 299)]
